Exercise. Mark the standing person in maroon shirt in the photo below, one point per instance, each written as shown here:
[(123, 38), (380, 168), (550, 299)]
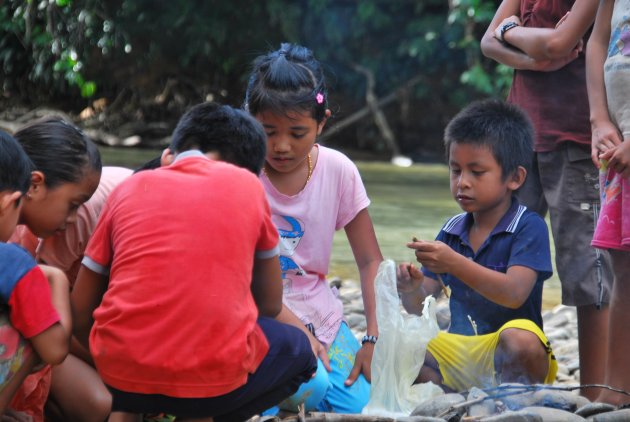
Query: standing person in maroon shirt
[(543, 41)]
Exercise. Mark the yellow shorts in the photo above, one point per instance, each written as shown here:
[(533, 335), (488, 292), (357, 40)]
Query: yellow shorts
[(467, 361)]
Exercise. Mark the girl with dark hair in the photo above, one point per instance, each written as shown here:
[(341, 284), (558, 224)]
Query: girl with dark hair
[(66, 173), (314, 191)]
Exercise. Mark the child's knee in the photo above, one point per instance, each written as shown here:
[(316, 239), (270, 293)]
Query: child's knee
[(521, 344), (347, 399), (522, 348), (310, 393), (430, 371)]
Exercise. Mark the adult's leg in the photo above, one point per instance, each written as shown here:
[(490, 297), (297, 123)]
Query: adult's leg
[(593, 332), (571, 185), (617, 362), (79, 392)]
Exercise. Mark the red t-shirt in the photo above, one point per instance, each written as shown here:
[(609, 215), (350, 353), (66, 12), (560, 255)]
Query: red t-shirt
[(178, 317), (25, 289), (557, 102)]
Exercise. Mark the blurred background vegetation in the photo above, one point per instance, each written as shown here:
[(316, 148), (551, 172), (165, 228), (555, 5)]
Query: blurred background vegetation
[(131, 67), (125, 70)]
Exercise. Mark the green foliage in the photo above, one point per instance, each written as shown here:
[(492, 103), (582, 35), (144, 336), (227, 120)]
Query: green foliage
[(76, 49), (43, 43)]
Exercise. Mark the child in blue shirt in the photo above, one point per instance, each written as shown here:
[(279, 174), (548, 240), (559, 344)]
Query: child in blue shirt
[(494, 257)]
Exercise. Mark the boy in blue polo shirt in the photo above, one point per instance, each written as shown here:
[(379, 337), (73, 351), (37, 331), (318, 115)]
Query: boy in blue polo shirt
[(494, 257)]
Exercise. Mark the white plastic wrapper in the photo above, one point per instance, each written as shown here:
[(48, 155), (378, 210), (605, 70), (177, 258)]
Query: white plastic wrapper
[(399, 351)]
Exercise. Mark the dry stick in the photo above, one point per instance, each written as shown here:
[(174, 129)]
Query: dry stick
[(442, 285), (521, 389)]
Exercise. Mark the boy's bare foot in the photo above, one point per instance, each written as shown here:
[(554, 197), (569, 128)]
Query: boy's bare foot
[(614, 398)]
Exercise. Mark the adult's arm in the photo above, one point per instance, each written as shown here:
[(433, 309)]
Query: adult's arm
[(558, 42), (525, 54)]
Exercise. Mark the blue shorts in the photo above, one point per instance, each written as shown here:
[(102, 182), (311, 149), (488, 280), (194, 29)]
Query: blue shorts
[(326, 392)]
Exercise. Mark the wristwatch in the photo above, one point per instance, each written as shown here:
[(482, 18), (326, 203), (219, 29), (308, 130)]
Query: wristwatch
[(506, 27)]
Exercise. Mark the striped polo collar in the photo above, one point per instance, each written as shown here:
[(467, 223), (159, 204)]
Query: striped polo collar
[(459, 224)]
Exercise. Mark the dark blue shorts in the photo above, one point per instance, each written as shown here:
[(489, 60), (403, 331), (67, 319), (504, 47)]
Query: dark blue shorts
[(289, 363)]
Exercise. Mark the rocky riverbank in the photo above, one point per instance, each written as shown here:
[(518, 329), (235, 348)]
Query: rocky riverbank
[(506, 403)]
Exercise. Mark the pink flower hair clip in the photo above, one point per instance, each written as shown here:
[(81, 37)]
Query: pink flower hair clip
[(319, 98)]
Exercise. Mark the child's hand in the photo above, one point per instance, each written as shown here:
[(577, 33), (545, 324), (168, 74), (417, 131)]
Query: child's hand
[(434, 255), (619, 158), (319, 351), (605, 136), (408, 278), (362, 364)]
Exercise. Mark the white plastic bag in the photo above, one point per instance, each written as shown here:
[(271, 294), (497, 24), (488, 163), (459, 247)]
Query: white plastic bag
[(399, 351)]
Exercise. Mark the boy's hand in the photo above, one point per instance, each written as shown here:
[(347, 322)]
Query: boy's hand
[(434, 255), (408, 278)]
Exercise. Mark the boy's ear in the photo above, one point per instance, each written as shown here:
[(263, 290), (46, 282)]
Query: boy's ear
[(321, 124), (518, 178), (9, 200), (167, 157)]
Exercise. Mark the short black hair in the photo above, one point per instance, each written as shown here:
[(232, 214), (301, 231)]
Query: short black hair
[(502, 127), (60, 150), (235, 135), (15, 166)]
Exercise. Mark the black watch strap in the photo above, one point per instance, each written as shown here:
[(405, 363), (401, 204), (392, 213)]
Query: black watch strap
[(505, 28)]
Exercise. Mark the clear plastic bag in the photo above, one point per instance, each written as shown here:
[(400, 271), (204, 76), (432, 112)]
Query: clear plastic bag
[(399, 351)]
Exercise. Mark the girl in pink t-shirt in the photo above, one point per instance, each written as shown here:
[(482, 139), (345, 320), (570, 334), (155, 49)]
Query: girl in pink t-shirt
[(314, 191)]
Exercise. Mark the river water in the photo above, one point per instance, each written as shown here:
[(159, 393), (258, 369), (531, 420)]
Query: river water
[(406, 202)]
